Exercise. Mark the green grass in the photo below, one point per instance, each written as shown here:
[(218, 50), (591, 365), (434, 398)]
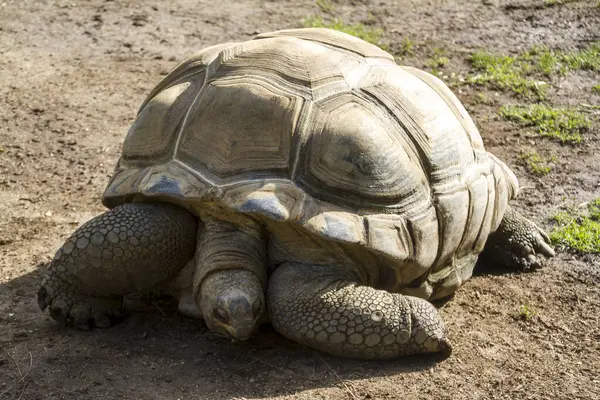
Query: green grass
[(484, 98), (438, 59), (586, 59), (369, 34), (563, 124), (544, 60), (526, 312), (579, 231), (552, 62), (596, 88), (522, 74), (407, 47), (505, 73), (535, 163)]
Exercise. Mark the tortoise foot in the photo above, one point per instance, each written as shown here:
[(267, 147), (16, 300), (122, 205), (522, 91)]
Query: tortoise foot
[(517, 243), (336, 315), (84, 312)]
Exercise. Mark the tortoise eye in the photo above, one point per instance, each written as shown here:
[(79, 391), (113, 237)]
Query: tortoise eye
[(220, 315)]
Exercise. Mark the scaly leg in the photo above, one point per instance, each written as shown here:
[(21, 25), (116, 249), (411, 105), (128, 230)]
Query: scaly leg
[(131, 248), (517, 242), (325, 308)]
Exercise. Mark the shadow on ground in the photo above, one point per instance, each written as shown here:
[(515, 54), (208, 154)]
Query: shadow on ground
[(178, 355)]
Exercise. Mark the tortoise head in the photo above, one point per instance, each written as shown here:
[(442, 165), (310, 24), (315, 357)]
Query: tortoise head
[(233, 303)]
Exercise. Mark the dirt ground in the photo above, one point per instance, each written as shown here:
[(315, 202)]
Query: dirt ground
[(72, 75)]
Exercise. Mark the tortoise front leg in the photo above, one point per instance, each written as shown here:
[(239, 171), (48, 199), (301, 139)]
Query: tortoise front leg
[(131, 248), (324, 308), (517, 242)]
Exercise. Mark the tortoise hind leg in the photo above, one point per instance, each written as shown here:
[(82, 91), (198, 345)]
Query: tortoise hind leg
[(324, 308), (131, 248), (517, 242)]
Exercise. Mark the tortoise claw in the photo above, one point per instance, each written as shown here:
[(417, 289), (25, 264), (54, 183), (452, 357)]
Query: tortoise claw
[(542, 243), (84, 312)]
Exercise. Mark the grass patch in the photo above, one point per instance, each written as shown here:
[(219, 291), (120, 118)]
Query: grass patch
[(552, 62), (407, 47), (522, 74), (369, 34), (563, 124), (438, 59), (579, 231), (484, 98), (544, 60), (588, 59), (505, 73), (596, 88), (535, 163), (526, 312)]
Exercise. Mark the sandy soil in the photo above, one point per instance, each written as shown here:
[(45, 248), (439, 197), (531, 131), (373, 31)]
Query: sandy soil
[(72, 76)]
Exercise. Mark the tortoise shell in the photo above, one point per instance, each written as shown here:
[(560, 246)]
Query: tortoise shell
[(324, 133)]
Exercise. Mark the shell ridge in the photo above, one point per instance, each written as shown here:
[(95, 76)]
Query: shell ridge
[(194, 63), (491, 200), (450, 102), (299, 140), (209, 71), (333, 38), (412, 134), (270, 80), (416, 144)]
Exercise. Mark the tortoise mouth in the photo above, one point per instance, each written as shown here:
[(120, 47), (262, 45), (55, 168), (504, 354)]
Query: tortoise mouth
[(240, 333)]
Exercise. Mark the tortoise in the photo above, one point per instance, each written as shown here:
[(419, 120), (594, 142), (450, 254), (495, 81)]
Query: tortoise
[(303, 178)]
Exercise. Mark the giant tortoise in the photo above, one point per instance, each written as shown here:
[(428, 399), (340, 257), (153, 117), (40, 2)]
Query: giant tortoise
[(304, 178)]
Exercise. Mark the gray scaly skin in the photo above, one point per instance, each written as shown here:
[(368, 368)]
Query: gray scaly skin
[(233, 303), (231, 296), (516, 242), (323, 307), (129, 249), (140, 248)]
